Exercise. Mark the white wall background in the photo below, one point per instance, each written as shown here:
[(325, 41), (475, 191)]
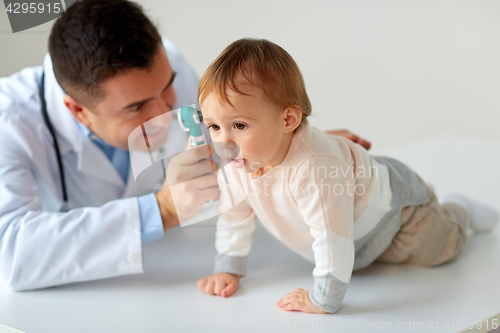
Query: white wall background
[(393, 71)]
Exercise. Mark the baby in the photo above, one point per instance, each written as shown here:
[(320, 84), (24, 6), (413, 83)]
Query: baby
[(323, 196)]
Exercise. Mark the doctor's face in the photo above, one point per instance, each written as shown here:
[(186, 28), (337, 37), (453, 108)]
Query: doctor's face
[(133, 98)]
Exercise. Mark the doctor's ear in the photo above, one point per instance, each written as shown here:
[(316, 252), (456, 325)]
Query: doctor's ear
[(80, 112)]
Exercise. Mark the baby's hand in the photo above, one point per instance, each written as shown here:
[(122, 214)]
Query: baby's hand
[(298, 300), (221, 284)]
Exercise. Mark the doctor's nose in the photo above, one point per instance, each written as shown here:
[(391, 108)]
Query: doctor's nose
[(162, 120), (161, 114)]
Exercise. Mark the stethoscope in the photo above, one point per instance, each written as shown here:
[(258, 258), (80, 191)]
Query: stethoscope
[(48, 123)]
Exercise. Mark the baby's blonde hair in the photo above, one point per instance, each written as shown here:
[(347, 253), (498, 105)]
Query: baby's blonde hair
[(264, 65)]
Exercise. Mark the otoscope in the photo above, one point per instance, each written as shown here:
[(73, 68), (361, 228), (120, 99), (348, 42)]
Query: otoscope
[(190, 121)]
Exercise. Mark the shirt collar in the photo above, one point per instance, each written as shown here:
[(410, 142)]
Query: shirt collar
[(88, 133), (108, 149)]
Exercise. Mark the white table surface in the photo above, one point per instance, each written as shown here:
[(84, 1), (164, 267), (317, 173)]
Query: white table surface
[(165, 298)]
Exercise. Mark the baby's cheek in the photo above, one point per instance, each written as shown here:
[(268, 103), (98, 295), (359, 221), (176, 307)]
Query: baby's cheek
[(254, 147)]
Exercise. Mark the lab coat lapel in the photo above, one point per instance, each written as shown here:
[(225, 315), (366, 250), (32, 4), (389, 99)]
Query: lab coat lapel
[(93, 161), (155, 176), (134, 190)]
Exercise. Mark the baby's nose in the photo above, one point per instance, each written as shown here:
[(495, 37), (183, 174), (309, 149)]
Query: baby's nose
[(228, 150)]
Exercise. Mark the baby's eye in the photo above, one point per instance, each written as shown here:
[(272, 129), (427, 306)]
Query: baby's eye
[(239, 126), (214, 127)]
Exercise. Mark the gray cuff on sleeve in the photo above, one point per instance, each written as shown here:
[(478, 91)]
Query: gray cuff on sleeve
[(230, 264), (327, 293)]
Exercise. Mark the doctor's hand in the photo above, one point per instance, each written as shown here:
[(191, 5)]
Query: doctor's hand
[(351, 136), (221, 284), (188, 185)]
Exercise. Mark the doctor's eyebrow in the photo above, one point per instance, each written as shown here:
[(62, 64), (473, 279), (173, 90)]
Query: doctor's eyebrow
[(170, 82)]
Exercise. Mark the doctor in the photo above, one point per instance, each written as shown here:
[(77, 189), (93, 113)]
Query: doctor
[(70, 208)]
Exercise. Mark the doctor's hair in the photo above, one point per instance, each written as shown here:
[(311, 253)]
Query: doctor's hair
[(261, 64), (95, 40)]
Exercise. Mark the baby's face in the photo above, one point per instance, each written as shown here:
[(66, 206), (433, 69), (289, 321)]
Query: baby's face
[(252, 123)]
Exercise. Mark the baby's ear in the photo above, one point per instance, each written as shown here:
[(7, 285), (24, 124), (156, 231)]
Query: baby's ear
[(292, 116)]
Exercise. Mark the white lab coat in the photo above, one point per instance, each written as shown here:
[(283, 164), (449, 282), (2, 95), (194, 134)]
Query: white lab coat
[(100, 236)]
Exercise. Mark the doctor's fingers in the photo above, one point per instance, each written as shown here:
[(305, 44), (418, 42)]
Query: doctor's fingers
[(178, 173), (193, 155), (208, 194), (193, 185), (189, 197), (201, 183), (194, 199), (190, 202)]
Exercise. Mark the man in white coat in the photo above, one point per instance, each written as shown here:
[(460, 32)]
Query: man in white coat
[(71, 209)]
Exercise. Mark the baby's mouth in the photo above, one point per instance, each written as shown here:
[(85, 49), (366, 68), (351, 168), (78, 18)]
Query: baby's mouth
[(238, 158), (238, 162)]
